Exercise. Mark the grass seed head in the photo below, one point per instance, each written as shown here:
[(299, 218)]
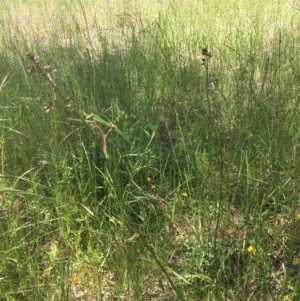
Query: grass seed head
[(47, 68), (30, 55), (89, 117), (31, 69), (68, 104), (204, 51), (48, 106), (54, 72)]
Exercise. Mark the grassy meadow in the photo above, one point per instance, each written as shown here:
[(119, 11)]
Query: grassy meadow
[(149, 150)]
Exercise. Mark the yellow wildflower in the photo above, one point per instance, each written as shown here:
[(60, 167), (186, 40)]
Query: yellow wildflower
[(149, 179), (77, 280), (184, 194), (250, 249), (296, 261), (298, 216), (153, 186), (112, 220)]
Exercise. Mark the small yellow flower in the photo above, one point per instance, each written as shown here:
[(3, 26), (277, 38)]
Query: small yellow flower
[(77, 280), (296, 261), (112, 220), (153, 186), (149, 179), (250, 249), (184, 194), (298, 216)]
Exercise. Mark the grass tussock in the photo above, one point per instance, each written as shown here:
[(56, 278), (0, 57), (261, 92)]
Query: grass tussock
[(149, 151)]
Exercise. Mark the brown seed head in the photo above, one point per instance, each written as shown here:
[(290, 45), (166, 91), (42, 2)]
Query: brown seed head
[(48, 106), (31, 69), (37, 59), (29, 55)]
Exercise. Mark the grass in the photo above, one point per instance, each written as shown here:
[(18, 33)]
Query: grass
[(195, 196)]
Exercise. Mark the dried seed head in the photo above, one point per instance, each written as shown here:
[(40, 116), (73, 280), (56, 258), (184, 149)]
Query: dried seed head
[(30, 55), (37, 59), (89, 117), (31, 69), (204, 51), (112, 126), (47, 68), (48, 106), (68, 103), (54, 72), (78, 162)]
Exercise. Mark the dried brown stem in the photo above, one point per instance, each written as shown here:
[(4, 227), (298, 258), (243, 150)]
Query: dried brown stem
[(48, 106)]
